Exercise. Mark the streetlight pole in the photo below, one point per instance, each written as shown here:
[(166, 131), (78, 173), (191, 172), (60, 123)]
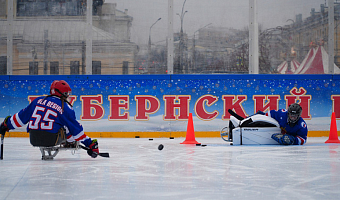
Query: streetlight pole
[(194, 46), (149, 44), (290, 57), (181, 40)]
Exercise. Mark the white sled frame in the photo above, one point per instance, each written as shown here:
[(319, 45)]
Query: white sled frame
[(48, 153)]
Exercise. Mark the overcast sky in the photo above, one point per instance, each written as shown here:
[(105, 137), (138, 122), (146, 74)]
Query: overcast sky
[(221, 13)]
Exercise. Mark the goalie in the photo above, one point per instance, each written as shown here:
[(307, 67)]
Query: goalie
[(286, 127), (52, 121), (293, 128)]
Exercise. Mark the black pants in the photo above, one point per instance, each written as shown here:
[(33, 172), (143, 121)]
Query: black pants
[(46, 139)]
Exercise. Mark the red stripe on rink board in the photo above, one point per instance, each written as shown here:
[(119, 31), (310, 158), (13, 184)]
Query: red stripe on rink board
[(16, 120)]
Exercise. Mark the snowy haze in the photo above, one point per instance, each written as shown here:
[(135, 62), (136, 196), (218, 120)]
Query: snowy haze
[(221, 13)]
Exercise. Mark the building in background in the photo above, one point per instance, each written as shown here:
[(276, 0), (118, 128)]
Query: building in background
[(49, 36), (215, 44), (52, 34), (313, 31)]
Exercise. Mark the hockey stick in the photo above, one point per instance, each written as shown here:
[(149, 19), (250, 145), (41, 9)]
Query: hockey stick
[(106, 155), (235, 115), (2, 146)]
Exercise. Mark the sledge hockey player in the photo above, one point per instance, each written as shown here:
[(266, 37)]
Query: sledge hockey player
[(51, 118), (293, 128)]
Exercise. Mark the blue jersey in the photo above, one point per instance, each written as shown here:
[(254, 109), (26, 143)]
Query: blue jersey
[(49, 115), (299, 130)]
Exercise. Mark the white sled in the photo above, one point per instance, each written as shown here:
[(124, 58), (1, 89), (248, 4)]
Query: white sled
[(254, 130)]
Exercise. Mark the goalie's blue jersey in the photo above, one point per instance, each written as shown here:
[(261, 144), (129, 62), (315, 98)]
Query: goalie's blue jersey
[(49, 115), (300, 129)]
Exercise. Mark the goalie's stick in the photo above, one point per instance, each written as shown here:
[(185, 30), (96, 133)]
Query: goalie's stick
[(2, 146), (106, 155), (235, 115)]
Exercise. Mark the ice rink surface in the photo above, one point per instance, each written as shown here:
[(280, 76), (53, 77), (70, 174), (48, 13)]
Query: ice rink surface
[(136, 169)]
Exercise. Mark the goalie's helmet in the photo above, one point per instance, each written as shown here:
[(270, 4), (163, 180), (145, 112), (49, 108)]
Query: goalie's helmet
[(60, 89), (294, 113)]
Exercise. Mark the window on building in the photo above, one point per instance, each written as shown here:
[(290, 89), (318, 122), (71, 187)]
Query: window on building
[(96, 67), (3, 65), (74, 67), (125, 67), (54, 68), (55, 7), (33, 68)]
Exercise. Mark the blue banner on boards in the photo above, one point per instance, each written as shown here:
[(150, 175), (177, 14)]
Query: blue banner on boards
[(132, 103)]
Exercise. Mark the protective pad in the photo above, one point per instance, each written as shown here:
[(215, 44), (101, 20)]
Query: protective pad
[(235, 121), (259, 120), (254, 135)]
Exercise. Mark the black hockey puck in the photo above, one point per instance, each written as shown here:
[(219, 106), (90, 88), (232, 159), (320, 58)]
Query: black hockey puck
[(204, 145), (150, 139), (172, 138), (160, 147)]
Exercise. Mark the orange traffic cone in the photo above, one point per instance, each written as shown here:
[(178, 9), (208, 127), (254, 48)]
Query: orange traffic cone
[(190, 137), (333, 133)]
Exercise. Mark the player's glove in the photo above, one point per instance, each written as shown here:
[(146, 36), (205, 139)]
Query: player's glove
[(93, 151), (3, 127), (283, 139)]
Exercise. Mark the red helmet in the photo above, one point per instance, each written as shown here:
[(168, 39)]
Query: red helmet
[(60, 88)]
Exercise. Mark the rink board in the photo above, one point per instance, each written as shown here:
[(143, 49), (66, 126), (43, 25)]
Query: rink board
[(159, 105), (157, 134)]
